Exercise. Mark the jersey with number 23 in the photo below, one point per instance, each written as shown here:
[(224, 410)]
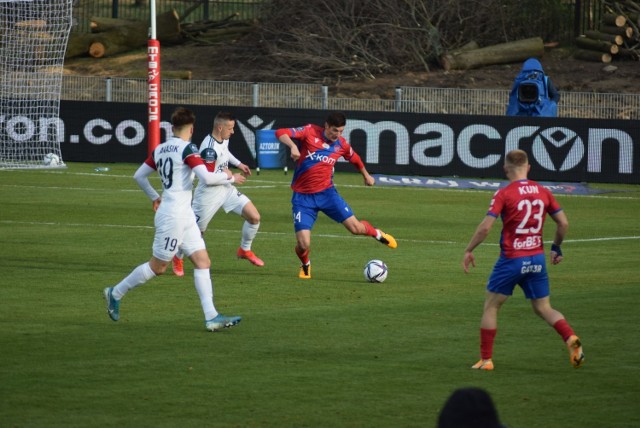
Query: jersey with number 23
[(522, 205)]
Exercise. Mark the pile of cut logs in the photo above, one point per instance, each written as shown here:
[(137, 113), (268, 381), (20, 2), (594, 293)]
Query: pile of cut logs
[(617, 37), (111, 36)]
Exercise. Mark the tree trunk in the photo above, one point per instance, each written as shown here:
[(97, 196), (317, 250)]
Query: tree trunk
[(472, 45), (32, 24), (611, 38), (125, 35), (112, 36), (596, 45), (220, 35), (592, 56), (504, 53), (78, 44), (620, 31), (168, 28), (611, 19), (167, 24)]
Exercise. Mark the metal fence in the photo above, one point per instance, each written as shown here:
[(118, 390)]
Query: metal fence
[(585, 105)]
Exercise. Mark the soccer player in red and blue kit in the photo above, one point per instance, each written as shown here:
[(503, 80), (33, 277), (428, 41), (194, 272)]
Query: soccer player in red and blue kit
[(523, 205), (316, 151)]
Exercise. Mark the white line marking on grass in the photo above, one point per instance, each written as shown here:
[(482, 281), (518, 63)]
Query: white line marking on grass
[(93, 189), (612, 238), (325, 235)]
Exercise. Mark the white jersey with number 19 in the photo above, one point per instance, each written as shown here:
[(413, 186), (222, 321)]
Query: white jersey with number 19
[(174, 160)]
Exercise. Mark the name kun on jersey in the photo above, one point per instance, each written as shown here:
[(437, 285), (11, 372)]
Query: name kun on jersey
[(528, 190)]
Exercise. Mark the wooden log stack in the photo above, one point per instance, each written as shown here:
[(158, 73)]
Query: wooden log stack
[(618, 35), (111, 36)]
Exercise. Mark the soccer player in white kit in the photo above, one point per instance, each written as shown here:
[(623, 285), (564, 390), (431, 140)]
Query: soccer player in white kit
[(208, 199), (176, 161)]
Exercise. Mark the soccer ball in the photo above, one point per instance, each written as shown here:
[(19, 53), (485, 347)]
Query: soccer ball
[(375, 271), (51, 159)]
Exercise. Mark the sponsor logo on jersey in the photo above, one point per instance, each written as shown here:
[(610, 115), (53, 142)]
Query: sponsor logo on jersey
[(315, 157)]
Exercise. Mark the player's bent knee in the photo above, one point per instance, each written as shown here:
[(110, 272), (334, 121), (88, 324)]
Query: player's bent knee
[(200, 259)]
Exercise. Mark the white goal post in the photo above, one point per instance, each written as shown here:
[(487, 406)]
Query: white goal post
[(33, 41)]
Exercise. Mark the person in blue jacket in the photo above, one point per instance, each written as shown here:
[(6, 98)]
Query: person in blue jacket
[(533, 93)]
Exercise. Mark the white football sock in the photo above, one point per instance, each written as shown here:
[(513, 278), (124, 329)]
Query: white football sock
[(138, 276), (249, 232), (204, 287)]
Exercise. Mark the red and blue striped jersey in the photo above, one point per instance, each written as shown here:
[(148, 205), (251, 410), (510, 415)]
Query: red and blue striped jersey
[(318, 156), (523, 206)]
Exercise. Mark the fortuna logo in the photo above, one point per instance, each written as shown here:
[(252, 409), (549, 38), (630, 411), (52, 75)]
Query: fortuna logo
[(320, 158)]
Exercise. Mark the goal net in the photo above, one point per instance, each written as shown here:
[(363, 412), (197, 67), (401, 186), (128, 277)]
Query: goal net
[(33, 40)]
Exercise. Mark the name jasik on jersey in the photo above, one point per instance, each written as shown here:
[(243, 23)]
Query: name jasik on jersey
[(174, 160)]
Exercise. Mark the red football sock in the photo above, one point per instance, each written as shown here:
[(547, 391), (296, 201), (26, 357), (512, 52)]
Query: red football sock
[(487, 336), (371, 231), (564, 329), (303, 255)]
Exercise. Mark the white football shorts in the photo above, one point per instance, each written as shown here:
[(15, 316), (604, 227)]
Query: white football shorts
[(176, 232), (207, 203)]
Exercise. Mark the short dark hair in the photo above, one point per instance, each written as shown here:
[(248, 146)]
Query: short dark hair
[(182, 116), (223, 116), (336, 118)]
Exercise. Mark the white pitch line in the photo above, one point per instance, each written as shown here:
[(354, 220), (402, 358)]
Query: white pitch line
[(273, 184), (332, 236)]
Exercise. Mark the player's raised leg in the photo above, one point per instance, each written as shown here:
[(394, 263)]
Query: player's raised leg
[(363, 227), (249, 232)]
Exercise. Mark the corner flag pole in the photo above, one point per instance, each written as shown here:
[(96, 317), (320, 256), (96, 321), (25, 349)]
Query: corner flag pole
[(153, 82)]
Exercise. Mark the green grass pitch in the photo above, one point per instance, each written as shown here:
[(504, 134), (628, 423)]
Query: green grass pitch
[(334, 351)]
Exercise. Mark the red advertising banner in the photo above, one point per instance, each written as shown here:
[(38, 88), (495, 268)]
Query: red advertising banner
[(153, 111)]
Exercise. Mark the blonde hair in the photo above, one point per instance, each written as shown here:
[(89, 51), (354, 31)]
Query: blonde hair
[(516, 159)]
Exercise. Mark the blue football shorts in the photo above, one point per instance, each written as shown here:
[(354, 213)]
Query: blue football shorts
[(305, 208), (529, 272)]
